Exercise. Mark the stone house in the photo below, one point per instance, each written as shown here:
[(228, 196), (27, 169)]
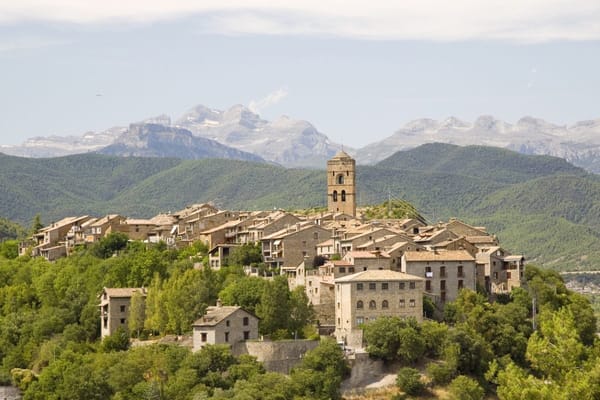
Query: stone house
[(397, 250), (368, 260), (445, 272), (271, 223), (499, 271), (217, 256), (368, 295), (291, 246), (224, 325), (136, 229), (102, 227), (114, 308), (52, 241)]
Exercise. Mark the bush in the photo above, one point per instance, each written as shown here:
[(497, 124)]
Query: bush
[(440, 374), (409, 381), (465, 388)]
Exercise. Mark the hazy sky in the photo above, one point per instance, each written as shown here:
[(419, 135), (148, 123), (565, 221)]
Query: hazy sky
[(357, 70)]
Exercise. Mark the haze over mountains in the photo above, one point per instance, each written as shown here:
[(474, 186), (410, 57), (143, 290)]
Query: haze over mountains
[(239, 133)]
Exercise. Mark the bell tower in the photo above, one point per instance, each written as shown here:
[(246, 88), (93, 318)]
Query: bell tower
[(341, 184)]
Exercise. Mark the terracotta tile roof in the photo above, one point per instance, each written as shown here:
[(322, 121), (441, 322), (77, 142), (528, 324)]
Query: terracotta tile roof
[(481, 239), (378, 275), (367, 254), (445, 255)]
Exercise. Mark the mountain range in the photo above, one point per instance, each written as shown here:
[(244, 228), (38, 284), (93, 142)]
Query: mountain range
[(239, 133), (540, 206)]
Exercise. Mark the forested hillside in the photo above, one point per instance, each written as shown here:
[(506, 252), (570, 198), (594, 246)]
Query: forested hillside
[(538, 205)]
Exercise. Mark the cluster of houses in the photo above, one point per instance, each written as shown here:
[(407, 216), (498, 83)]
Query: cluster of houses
[(353, 270)]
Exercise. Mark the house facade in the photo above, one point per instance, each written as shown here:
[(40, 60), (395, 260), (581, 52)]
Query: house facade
[(368, 295), (114, 308), (224, 325)]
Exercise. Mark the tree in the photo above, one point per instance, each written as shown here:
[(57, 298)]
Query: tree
[(118, 341), (465, 388), (36, 224), (301, 311), (156, 316), (412, 344), (245, 292), (409, 381), (246, 254), (321, 371), (274, 307), (137, 313), (110, 244), (382, 337), (185, 297)]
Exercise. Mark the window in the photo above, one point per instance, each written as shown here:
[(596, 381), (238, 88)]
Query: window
[(372, 286), (246, 335), (316, 235), (122, 321), (359, 304), (384, 304), (340, 180), (495, 275), (334, 195), (428, 286), (360, 320), (343, 195), (460, 284), (411, 303), (105, 322), (402, 303), (227, 336), (443, 296), (372, 305), (246, 321), (442, 271), (122, 308), (402, 285), (338, 305), (428, 272), (412, 285), (442, 285), (359, 286), (342, 270), (507, 274), (459, 271), (384, 286), (227, 323), (203, 337), (351, 269)]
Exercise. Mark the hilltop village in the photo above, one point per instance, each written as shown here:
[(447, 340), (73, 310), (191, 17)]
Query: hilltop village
[(353, 270)]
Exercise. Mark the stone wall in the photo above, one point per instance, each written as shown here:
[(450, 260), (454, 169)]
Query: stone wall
[(10, 393), (280, 356)]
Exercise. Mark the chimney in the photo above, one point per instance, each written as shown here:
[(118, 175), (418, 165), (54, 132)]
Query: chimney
[(219, 303)]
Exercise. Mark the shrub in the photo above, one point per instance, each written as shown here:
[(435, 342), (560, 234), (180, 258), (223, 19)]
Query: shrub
[(409, 381), (465, 388), (440, 374)]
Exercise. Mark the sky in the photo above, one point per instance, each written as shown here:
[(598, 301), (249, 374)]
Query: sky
[(357, 70)]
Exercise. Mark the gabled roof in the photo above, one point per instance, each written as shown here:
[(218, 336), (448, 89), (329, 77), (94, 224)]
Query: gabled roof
[(292, 230), (215, 315), (123, 292), (442, 255), (367, 254), (378, 275)]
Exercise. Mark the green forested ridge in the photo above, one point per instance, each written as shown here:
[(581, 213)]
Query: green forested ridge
[(540, 206)]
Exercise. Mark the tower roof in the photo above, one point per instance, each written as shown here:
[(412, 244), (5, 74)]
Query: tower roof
[(341, 154)]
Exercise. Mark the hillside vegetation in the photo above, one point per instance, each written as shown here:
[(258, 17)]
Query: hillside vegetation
[(540, 206)]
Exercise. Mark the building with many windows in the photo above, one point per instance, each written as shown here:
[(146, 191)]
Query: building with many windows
[(368, 295)]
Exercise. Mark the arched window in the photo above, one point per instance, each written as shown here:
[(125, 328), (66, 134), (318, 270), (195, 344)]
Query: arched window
[(372, 305), (343, 195), (384, 304), (340, 179), (359, 304), (335, 195)]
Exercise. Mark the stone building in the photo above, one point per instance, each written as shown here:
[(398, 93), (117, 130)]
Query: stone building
[(341, 184), (224, 325), (368, 295), (445, 271), (290, 247), (114, 308)]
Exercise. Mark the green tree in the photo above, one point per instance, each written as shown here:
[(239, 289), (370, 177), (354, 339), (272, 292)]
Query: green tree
[(156, 316), (409, 381), (246, 254), (382, 337), (245, 292), (301, 311), (274, 307), (465, 388), (137, 313), (118, 341)]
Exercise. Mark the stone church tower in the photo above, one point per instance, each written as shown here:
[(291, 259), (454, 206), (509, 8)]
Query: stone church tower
[(341, 184)]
